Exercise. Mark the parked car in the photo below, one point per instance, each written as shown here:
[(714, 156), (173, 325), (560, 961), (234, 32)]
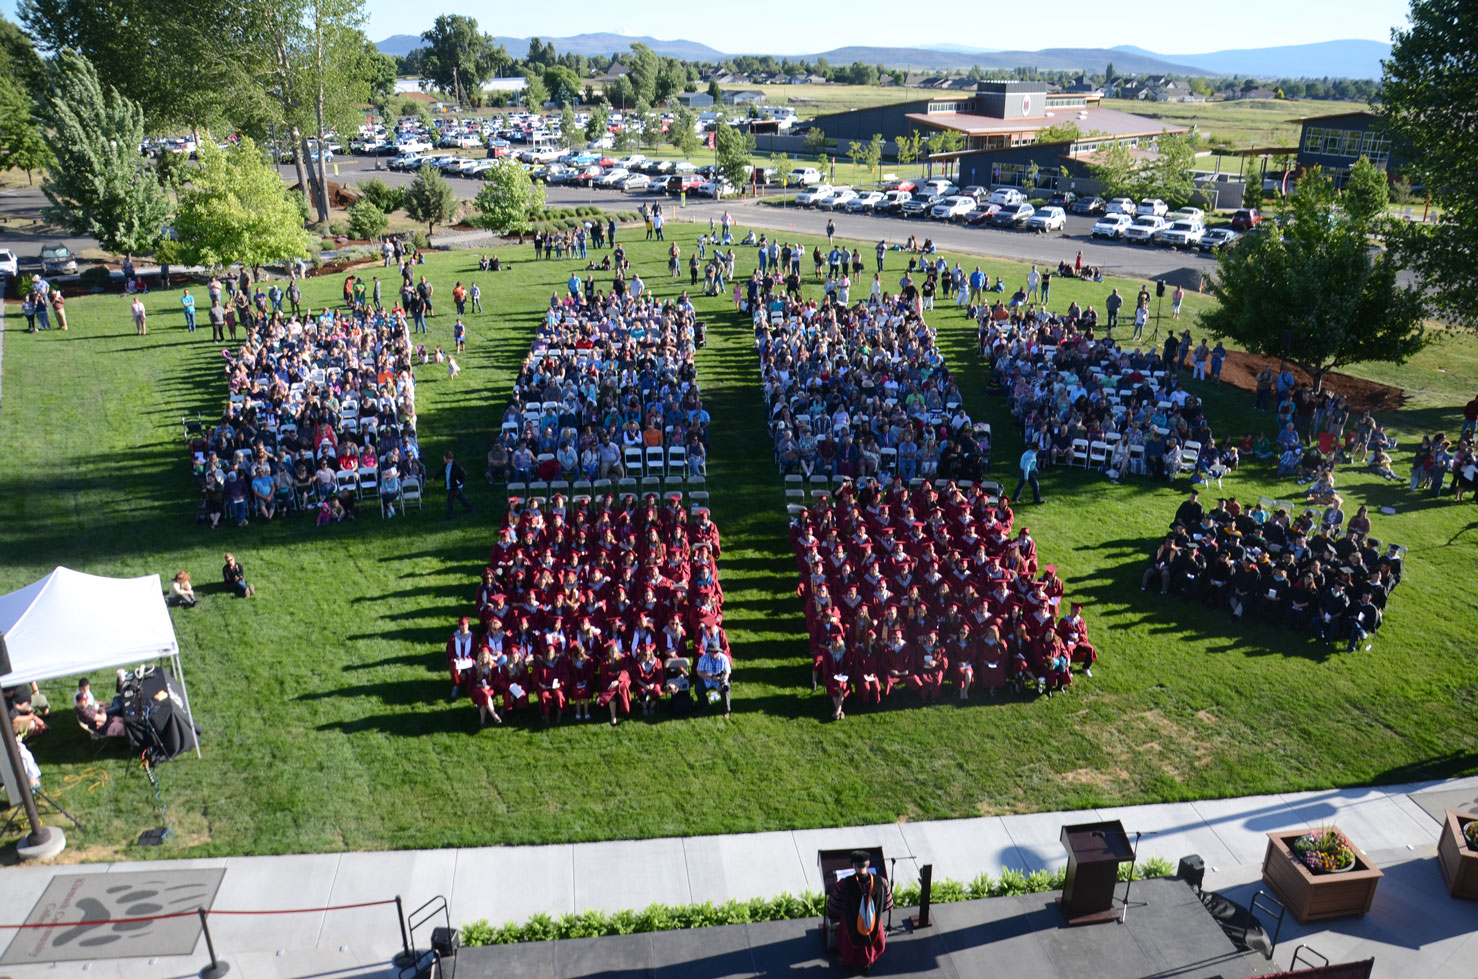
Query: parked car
[(812, 194), (1007, 195), (1186, 214), (952, 207), (893, 201), (1246, 219), (613, 177), (981, 214), (838, 197), (680, 183), (9, 264), (907, 186), (1218, 238), (57, 260), (1112, 225), (1013, 215), (1089, 205), (1143, 229), (634, 181), (803, 177), (919, 205), (937, 185), (976, 191), (1153, 206), (864, 203), (1048, 219), (1120, 205), (716, 188), (1063, 199), (405, 161), (1182, 234)]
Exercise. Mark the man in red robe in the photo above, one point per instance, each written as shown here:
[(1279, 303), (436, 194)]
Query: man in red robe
[(857, 903)]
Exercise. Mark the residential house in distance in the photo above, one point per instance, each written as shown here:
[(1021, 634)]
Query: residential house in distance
[(743, 96)]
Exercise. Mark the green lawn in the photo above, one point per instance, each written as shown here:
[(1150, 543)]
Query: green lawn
[(323, 699), (1245, 122)]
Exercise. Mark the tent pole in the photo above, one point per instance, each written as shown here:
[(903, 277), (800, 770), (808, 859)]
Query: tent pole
[(179, 669)]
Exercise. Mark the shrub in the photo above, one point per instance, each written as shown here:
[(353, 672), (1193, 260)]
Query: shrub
[(419, 241), (1157, 867), (95, 278), (1012, 883), (367, 220), (339, 229), (386, 198)]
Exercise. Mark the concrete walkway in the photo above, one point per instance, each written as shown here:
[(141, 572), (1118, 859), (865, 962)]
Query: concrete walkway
[(1414, 930)]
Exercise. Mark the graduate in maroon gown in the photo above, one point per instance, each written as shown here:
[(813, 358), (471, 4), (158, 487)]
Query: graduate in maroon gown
[(962, 655), (1073, 631), (582, 681), (484, 690), (648, 679), (930, 667), (868, 670), (551, 679), (614, 682), (857, 903), (513, 681), (834, 665)]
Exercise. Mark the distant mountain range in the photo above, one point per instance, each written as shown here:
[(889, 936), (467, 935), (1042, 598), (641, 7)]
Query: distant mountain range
[(1335, 59)]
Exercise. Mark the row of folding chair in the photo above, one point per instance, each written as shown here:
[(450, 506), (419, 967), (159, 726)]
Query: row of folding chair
[(820, 486), (692, 488), (653, 460)]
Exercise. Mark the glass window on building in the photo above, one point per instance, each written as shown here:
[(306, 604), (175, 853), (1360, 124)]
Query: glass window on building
[(1314, 139)]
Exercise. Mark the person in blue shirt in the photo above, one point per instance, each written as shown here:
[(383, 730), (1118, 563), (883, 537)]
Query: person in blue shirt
[(574, 284), (187, 302), (1028, 476)]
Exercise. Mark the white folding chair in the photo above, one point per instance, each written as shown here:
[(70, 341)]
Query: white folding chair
[(677, 459), (633, 459), (1136, 459), (369, 483), (346, 480), (1080, 451), (1097, 455), (1189, 453), (656, 461), (410, 492)]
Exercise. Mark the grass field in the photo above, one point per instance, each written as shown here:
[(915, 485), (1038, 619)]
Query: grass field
[(323, 699), (1244, 122)]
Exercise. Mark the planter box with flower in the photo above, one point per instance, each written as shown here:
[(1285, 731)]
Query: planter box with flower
[(1319, 874), (1457, 853)]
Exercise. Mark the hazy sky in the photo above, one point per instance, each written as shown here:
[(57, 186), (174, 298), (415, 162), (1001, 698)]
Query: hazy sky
[(1164, 26)]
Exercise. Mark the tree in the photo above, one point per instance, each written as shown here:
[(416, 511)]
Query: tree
[(235, 209), (716, 93), (683, 131), (534, 92), (571, 136), (733, 154), (459, 57), (386, 198), (22, 145), (99, 185), (1169, 176), (595, 126), (430, 199), (1252, 190), (1427, 91), (815, 141), (644, 66), (649, 124), (872, 156), (1367, 194), (563, 85), (367, 221), (1060, 132), (1116, 170), (185, 62), (908, 147), (18, 58), (1319, 285), (508, 200)]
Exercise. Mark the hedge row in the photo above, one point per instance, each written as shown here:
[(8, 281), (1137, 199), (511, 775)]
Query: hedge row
[(567, 218), (664, 917)]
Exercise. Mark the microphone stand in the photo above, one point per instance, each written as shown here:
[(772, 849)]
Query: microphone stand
[(1130, 882)]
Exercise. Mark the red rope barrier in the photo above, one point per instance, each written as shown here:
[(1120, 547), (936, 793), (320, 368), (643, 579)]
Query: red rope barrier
[(191, 914)]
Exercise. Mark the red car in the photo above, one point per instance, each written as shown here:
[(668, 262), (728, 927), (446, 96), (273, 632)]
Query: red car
[(1246, 219), (904, 185)]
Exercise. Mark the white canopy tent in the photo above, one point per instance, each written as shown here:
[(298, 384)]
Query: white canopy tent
[(71, 624)]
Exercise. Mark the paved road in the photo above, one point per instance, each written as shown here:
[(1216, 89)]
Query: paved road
[(1148, 262)]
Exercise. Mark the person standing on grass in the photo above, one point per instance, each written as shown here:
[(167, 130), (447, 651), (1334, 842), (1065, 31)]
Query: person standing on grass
[(1176, 298), (1112, 304), (454, 477), (140, 316), (459, 335), (59, 307), (476, 296), (217, 316), (187, 303), (1029, 476)]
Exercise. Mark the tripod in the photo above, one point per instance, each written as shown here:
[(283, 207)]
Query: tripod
[(14, 812), (1159, 303)]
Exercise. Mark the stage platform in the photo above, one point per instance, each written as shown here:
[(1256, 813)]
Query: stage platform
[(1167, 934)]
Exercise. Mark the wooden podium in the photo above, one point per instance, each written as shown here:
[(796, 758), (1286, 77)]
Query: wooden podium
[(1094, 852)]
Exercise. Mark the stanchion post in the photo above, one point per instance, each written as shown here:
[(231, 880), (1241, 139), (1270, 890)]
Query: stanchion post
[(217, 968), (405, 956), (926, 882)]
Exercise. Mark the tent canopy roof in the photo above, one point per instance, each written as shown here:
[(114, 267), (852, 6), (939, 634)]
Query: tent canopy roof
[(70, 623)]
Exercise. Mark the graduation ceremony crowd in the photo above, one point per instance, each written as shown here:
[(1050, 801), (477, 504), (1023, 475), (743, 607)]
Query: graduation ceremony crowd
[(607, 372), (321, 411), (613, 603), (1308, 573), (916, 588)]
